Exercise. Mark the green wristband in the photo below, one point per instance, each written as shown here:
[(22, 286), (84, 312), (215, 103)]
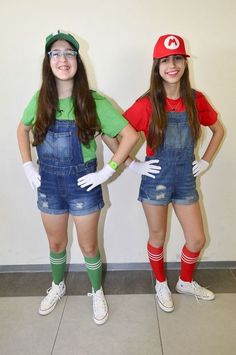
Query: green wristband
[(113, 164)]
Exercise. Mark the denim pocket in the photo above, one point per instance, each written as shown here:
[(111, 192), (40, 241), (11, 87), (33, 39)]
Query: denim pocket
[(56, 147)]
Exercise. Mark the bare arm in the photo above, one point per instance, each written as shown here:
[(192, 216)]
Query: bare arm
[(24, 142), (121, 149), (113, 145), (149, 168), (30, 170), (217, 136)]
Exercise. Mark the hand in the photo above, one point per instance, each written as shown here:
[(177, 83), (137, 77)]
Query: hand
[(199, 167), (32, 174), (145, 167), (95, 179)]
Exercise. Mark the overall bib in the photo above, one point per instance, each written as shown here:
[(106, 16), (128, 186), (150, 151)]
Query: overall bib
[(60, 165), (176, 182)]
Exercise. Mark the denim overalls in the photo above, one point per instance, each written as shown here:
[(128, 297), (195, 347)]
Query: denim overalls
[(60, 165), (176, 182)]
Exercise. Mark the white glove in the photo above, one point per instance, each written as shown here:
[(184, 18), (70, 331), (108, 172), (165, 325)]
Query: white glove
[(199, 167), (145, 167), (95, 179), (32, 174)]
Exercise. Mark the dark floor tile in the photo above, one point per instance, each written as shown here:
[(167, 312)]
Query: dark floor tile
[(24, 284), (128, 282), (114, 282), (233, 271), (218, 280), (77, 283), (172, 277)]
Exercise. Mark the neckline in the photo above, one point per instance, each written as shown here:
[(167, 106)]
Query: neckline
[(173, 104), (65, 98), (174, 100)]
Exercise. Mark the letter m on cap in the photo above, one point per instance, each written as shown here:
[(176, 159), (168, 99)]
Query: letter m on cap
[(172, 41)]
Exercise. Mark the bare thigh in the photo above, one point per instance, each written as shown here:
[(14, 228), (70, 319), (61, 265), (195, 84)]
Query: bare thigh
[(190, 218), (56, 229), (157, 220), (87, 227)]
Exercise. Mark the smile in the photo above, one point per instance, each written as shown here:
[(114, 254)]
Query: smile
[(64, 67), (172, 73)]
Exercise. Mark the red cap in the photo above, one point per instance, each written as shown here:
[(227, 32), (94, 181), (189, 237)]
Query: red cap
[(169, 45)]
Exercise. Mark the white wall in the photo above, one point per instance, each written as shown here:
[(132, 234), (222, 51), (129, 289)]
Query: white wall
[(117, 39)]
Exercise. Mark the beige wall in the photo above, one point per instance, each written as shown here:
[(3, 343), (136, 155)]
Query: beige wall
[(117, 39)]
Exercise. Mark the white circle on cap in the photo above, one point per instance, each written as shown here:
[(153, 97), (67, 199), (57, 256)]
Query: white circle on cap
[(171, 42)]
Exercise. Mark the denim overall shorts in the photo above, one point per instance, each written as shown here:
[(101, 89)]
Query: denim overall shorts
[(60, 165), (176, 182)]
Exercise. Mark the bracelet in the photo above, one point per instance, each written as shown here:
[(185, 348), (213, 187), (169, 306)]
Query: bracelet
[(113, 164)]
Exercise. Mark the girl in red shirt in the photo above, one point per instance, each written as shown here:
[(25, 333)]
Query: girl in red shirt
[(170, 114)]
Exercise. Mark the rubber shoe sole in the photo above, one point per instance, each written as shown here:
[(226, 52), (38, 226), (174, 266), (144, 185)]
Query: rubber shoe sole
[(100, 321), (44, 312), (189, 293), (163, 307)]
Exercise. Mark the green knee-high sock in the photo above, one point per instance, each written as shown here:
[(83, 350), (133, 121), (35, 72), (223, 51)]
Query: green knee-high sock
[(94, 269), (58, 264)]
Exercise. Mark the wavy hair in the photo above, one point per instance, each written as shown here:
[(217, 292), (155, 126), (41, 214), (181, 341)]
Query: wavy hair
[(159, 118), (84, 105)]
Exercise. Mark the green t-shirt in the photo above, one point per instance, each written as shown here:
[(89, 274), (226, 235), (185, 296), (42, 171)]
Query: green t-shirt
[(111, 121)]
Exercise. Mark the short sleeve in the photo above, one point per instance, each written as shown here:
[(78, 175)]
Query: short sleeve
[(111, 121), (29, 114), (139, 114), (206, 114)]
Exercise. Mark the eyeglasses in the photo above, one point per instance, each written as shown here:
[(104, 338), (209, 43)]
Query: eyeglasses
[(68, 54)]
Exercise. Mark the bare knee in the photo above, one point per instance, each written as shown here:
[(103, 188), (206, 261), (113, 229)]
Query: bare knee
[(196, 244), (57, 247), (89, 250), (157, 237)]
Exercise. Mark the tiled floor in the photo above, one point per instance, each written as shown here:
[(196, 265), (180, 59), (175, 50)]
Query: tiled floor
[(135, 325)]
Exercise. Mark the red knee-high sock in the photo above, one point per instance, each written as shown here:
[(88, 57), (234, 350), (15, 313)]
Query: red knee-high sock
[(188, 263), (157, 262)]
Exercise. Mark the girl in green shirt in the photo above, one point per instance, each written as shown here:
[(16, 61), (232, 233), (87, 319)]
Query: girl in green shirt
[(64, 116)]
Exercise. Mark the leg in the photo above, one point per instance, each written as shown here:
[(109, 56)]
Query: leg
[(86, 227), (157, 220), (56, 229), (190, 219)]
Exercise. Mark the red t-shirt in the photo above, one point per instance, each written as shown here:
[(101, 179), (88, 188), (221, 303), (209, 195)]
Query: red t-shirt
[(139, 114)]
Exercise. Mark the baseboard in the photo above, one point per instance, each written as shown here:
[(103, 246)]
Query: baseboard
[(115, 266)]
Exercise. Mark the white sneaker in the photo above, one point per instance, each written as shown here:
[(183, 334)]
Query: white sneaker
[(100, 308), (163, 296), (54, 294), (193, 288)]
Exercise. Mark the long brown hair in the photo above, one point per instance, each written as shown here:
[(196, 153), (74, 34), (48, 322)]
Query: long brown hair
[(84, 105), (159, 117)]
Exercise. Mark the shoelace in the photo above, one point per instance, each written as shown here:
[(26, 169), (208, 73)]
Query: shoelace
[(97, 299), (197, 287), (52, 294), (164, 290)]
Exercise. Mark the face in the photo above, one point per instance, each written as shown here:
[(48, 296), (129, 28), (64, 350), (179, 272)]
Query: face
[(63, 61), (172, 68)]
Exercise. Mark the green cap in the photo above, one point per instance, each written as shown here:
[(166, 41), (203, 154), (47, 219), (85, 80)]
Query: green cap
[(61, 35)]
